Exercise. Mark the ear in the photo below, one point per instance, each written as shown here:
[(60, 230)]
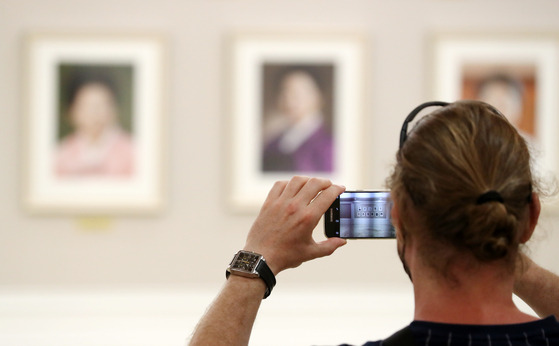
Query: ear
[(534, 214)]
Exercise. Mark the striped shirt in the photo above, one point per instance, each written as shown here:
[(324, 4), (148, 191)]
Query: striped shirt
[(544, 332)]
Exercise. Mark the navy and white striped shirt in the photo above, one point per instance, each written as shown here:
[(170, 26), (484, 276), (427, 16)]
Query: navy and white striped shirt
[(544, 332)]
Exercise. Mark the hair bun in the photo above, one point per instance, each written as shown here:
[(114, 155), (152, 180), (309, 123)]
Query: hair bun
[(492, 231)]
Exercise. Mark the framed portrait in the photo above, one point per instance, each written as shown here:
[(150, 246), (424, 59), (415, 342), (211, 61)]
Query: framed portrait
[(296, 108), (518, 74), (94, 124)]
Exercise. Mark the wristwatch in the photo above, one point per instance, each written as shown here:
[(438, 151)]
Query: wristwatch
[(252, 265)]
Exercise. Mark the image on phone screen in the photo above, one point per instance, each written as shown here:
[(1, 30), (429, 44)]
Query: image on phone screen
[(360, 214)]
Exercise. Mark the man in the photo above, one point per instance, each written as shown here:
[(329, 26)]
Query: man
[(459, 223), (283, 234)]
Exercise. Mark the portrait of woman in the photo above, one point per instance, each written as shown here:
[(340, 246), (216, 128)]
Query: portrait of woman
[(94, 140), (297, 126), (510, 88)]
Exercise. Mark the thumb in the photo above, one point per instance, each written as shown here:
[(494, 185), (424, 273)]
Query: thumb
[(328, 246)]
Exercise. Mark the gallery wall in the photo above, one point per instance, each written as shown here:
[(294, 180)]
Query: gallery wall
[(194, 236)]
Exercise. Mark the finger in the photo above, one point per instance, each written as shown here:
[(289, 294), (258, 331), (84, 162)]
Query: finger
[(312, 188), (328, 246), (277, 189), (325, 199), (294, 186)]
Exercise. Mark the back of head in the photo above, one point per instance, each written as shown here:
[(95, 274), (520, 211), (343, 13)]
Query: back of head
[(452, 157)]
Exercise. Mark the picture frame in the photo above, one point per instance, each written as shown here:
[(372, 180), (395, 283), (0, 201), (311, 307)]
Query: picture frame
[(94, 124), (518, 74), (271, 76)]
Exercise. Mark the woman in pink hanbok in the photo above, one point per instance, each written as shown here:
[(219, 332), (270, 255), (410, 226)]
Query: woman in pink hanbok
[(98, 146)]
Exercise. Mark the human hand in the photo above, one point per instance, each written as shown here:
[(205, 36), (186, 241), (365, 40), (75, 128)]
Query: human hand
[(282, 232), (537, 286)]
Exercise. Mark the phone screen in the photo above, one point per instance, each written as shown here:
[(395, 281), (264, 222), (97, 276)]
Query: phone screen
[(360, 214)]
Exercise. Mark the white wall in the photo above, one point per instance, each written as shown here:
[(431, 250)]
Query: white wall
[(62, 283), (128, 315), (193, 239)]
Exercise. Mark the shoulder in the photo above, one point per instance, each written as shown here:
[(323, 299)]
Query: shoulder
[(123, 140), (68, 145), (547, 328)]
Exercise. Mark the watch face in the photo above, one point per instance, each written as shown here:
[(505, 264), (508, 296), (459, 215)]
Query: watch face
[(245, 261)]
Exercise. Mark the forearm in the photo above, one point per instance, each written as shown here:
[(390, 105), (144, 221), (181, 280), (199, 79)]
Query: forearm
[(230, 318), (282, 233), (539, 288)]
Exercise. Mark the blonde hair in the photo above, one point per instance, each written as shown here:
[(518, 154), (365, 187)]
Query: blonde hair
[(450, 158)]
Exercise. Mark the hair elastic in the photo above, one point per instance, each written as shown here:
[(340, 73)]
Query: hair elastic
[(490, 196)]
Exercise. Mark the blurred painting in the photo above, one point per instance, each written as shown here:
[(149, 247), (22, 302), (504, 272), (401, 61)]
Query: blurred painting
[(94, 124), (509, 88), (297, 115), (518, 74), (296, 109)]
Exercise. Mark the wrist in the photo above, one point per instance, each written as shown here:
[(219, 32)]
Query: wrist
[(271, 261), (248, 286), (252, 265)]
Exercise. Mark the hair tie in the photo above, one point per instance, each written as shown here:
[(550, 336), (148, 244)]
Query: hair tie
[(490, 196)]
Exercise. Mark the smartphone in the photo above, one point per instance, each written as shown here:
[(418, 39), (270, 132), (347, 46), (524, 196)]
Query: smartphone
[(360, 214)]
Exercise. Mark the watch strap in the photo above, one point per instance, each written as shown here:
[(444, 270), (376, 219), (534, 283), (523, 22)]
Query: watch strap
[(267, 275)]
